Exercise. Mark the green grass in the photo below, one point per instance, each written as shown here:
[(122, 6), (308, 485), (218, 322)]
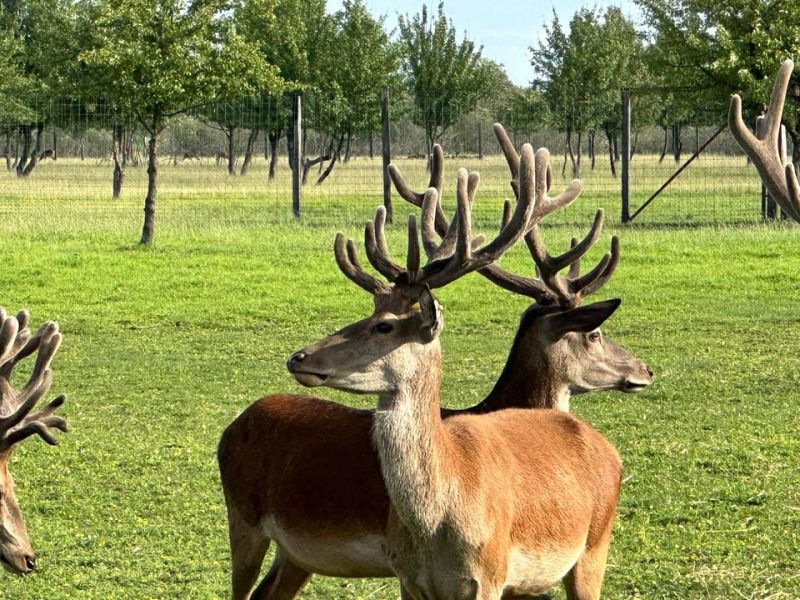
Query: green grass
[(165, 345)]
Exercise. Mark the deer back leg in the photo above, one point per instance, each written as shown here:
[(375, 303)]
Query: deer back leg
[(284, 580), (585, 579), (248, 547)]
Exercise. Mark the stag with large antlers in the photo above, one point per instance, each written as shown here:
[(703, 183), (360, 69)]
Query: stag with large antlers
[(765, 148), (17, 422), (306, 466), (456, 528)]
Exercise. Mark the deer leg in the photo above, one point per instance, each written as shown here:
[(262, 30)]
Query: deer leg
[(248, 547), (284, 580), (585, 579)]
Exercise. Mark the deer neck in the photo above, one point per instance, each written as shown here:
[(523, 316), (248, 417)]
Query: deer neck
[(531, 378), (413, 447)]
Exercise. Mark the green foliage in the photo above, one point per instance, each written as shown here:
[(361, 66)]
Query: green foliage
[(446, 78), (159, 58), (724, 47)]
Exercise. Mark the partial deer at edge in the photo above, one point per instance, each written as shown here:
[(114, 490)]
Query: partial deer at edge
[(502, 504), (17, 423), (765, 150), (333, 500)]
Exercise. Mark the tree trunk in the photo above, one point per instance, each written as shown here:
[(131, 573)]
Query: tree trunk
[(230, 133), (248, 154), (331, 164), (152, 191), (117, 153), (348, 147), (8, 150), (36, 150), (664, 145), (25, 135), (677, 143), (616, 148), (566, 153), (82, 147), (274, 138), (634, 143), (591, 147), (611, 160), (371, 145), (576, 165)]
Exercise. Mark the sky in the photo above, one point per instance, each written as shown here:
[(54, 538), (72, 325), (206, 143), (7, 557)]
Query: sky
[(505, 28)]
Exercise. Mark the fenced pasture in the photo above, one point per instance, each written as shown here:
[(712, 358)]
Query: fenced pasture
[(716, 189), (165, 345)]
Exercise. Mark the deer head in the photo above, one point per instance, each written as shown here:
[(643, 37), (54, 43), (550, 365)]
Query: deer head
[(17, 423), (371, 355), (559, 349)]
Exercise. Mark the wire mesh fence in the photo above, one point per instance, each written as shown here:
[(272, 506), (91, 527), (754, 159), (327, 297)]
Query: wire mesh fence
[(235, 155)]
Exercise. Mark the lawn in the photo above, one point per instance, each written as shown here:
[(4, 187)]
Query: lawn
[(165, 345)]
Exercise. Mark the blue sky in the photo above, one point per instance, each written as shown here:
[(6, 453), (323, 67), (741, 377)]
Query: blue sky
[(505, 28)]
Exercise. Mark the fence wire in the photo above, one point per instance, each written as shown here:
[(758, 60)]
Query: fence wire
[(235, 155)]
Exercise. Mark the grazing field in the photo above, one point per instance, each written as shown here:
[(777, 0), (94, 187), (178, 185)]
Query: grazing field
[(165, 345)]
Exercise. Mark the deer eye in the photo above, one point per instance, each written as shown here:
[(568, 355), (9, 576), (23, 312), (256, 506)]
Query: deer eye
[(384, 327), (594, 336)]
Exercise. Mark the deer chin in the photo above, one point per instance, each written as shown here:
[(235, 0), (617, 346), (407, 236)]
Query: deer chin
[(634, 386), (310, 379)]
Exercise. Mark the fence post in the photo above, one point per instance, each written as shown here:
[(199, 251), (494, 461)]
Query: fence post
[(626, 154), (386, 152), (297, 151)]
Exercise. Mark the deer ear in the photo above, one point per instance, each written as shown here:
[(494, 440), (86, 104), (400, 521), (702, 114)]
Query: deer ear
[(582, 319), (432, 318)]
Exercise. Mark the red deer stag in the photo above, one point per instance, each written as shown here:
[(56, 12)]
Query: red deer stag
[(336, 462), (48, 153), (456, 528), (17, 423), (766, 151)]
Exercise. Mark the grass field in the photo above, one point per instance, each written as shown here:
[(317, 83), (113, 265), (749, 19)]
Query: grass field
[(165, 345)]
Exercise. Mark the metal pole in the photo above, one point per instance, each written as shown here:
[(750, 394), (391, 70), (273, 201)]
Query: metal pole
[(626, 154), (387, 153), (297, 152)]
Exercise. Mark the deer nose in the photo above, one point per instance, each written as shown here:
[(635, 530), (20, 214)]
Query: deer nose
[(650, 371), (30, 562), (295, 358)]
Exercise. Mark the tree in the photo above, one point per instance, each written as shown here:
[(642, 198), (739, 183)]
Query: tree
[(160, 58), (581, 73), (446, 78), (293, 35), (351, 82), (726, 47)]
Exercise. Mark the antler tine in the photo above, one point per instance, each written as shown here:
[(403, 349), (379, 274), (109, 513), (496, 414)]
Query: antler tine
[(412, 259), (764, 148), (544, 203), (597, 277), (577, 250), (575, 267), (417, 198), (16, 423), (463, 260), (376, 247), (512, 158), (345, 252)]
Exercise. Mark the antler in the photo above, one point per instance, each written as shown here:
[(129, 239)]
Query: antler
[(457, 254), (765, 149), (550, 287), (16, 343)]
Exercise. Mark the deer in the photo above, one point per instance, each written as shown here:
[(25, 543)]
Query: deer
[(456, 528), (17, 422), (765, 150), (337, 463), (220, 156), (47, 153)]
